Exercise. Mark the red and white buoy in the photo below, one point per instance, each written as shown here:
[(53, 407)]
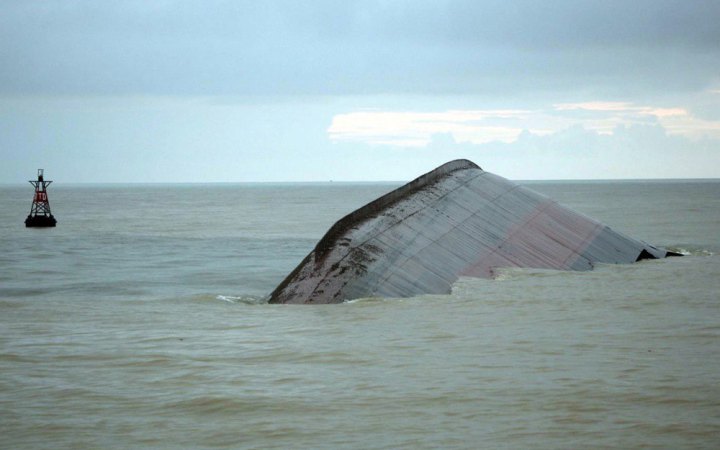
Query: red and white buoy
[(40, 215)]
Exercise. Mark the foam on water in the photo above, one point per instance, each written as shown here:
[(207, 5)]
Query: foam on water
[(244, 299)]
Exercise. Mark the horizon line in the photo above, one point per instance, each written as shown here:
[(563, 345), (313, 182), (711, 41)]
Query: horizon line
[(537, 180)]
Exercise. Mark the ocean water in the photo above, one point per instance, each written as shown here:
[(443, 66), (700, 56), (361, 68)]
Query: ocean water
[(140, 322)]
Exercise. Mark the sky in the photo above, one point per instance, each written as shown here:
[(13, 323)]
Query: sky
[(245, 91)]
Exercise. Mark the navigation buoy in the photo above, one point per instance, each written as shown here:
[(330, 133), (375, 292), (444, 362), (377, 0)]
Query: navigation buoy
[(40, 215)]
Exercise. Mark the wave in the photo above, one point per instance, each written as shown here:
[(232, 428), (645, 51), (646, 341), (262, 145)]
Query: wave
[(243, 299), (693, 250)]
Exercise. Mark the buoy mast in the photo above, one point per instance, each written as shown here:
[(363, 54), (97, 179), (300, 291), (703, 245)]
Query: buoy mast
[(40, 215)]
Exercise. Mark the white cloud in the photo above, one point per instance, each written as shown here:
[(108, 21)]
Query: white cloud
[(415, 129), (625, 108), (636, 151)]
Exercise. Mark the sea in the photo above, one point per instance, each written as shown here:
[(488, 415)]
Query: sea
[(141, 321)]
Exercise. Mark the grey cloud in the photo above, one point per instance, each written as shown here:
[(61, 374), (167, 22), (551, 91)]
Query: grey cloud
[(493, 48)]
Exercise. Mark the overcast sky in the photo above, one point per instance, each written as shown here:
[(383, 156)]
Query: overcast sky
[(204, 91)]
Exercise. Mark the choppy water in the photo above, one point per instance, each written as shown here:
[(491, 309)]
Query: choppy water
[(139, 322)]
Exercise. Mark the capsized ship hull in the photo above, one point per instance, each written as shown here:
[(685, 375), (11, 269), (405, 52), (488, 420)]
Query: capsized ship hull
[(457, 220)]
